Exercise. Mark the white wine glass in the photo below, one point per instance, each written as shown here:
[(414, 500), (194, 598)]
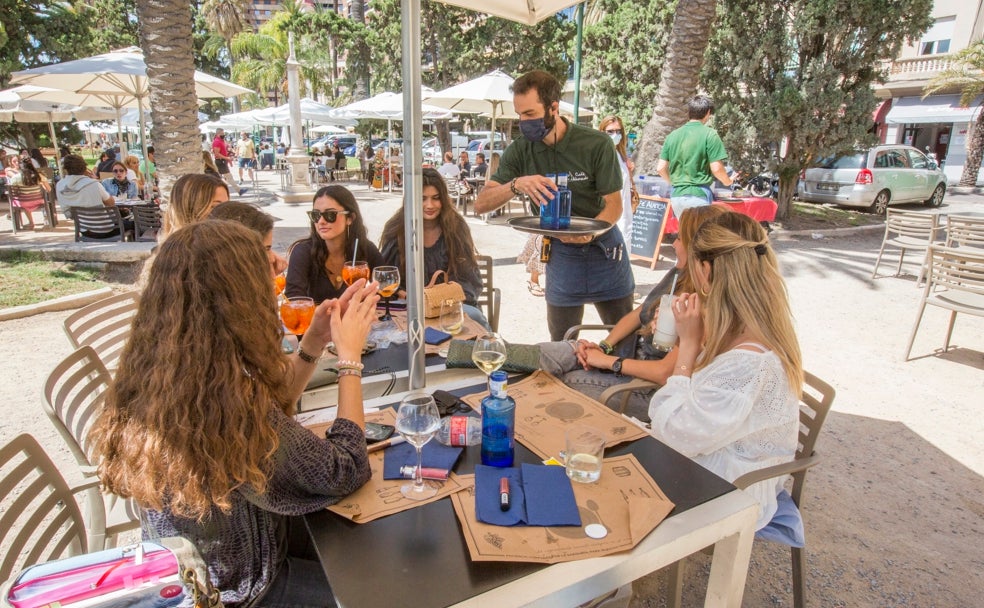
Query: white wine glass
[(388, 278), (418, 421), (489, 352), (452, 321)]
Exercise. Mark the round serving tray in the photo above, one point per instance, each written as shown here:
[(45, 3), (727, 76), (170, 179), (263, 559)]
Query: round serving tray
[(580, 226)]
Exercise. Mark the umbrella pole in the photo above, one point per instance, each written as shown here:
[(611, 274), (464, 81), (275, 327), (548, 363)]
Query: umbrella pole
[(54, 140), (389, 157), (119, 130), (412, 198)]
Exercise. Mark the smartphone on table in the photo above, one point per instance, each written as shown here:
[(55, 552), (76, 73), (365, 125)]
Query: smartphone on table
[(376, 432)]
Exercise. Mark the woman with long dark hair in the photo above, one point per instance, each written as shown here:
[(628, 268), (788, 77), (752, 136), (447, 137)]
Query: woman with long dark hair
[(615, 129), (314, 265), (198, 427), (448, 244)]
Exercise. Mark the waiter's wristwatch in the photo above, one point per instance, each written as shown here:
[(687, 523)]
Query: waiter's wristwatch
[(617, 366)]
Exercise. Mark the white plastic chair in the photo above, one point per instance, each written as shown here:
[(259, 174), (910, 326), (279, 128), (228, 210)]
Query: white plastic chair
[(40, 519), (965, 231), (104, 325), (955, 282), (908, 230), (74, 395)]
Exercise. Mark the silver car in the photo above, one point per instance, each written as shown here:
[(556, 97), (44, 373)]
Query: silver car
[(875, 179)]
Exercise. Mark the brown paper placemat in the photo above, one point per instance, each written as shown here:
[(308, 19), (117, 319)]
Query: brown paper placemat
[(546, 407), (625, 500), (381, 497), (469, 329)]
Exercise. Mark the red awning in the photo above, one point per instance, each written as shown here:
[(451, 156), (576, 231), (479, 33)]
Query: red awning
[(878, 116)]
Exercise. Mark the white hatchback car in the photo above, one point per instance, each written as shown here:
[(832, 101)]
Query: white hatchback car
[(876, 178)]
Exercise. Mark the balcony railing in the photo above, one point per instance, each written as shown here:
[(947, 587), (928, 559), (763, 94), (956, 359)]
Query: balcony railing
[(920, 66)]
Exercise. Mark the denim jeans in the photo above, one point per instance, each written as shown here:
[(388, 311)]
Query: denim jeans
[(562, 318), (558, 358)]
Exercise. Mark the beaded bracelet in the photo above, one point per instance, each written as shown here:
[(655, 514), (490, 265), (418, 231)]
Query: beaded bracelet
[(346, 364), (306, 357), (606, 347), (349, 371)]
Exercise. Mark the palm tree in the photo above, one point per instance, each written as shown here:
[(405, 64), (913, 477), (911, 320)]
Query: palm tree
[(359, 56), (167, 43), (684, 58), (227, 18), (966, 73)]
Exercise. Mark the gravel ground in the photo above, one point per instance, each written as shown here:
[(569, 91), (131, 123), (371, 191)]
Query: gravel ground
[(894, 511)]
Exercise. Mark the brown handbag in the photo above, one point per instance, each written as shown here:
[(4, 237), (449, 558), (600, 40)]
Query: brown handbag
[(635, 199), (435, 293)]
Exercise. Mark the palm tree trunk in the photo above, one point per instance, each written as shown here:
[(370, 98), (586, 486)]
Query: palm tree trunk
[(166, 40), (361, 54), (975, 152), (678, 83)]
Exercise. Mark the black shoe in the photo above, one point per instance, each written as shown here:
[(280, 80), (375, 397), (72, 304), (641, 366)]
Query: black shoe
[(243, 191)]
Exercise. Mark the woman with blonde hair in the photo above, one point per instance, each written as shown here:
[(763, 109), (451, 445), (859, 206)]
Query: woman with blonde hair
[(615, 129), (133, 172), (198, 424), (192, 198), (732, 403), (584, 365)]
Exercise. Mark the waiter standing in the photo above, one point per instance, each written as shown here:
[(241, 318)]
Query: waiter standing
[(582, 269)]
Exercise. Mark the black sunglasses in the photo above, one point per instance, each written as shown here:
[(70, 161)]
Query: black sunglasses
[(619, 131), (119, 170), (329, 215)]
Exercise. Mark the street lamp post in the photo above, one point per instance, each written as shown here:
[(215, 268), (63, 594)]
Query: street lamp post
[(299, 189)]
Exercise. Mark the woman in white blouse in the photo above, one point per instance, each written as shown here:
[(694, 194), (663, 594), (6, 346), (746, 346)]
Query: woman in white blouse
[(732, 403)]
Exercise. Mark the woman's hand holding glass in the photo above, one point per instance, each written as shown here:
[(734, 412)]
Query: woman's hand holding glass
[(352, 317), (689, 321)]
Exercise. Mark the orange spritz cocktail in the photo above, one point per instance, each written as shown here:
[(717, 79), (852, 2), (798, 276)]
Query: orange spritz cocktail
[(296, 314), (353, 271), (279, 283)]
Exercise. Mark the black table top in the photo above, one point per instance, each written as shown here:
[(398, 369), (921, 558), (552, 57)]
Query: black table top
[(381, 361), (421, 554)]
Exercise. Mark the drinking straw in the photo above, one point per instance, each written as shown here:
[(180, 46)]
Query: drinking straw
[(673, 284), (355, 250)]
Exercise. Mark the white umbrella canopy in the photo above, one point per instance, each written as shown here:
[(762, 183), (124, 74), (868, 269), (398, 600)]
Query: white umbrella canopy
[(529, 12), (117, 79), (311, 111), (327, 129), (388, 106)]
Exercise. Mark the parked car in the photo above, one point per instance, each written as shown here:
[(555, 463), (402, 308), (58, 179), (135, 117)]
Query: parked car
[(485, 147), (876, 178), (324, 144)]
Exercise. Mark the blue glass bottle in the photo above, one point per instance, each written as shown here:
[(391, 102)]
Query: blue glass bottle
[(549, 212), (566, 198), (498, 423)]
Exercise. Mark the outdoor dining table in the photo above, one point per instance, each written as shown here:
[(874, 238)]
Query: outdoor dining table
[(419, 557), (757, 208)]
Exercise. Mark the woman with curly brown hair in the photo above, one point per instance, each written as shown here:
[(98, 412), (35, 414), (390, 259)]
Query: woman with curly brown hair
[(448, 244), (197, 426), (314, 265)]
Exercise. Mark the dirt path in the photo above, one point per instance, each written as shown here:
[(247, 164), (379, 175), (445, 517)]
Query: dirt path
[(893, 513)]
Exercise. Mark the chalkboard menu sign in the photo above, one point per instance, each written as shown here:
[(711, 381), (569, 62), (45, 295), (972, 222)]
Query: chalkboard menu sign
[(648, 223)]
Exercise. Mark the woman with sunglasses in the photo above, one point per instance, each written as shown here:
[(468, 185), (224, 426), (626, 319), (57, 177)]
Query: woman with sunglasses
[(119, 184), (613, 126), (314, 265)]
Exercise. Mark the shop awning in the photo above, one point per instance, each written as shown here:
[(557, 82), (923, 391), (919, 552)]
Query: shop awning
[(878, 116), (936, 108)]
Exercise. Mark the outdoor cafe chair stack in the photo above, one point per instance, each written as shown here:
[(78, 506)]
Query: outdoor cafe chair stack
[(104, 325), (955, 282), (965, 231)]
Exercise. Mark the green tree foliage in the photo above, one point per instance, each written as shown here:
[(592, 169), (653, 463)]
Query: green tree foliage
[(623, 57), (966, 74), (796, 76), (113, 24)]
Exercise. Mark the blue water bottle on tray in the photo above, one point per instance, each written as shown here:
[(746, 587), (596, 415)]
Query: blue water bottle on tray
[(549, 210), (566, 200), (498, 423)]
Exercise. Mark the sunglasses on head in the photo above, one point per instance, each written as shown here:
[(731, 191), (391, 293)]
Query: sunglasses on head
[(329, 215)]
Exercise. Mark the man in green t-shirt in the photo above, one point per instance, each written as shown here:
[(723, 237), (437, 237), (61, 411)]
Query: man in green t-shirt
[(692, 157), (581, 269)]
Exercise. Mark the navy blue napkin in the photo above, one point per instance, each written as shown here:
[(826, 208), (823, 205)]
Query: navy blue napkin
[(487, 496), (435, 455), (435, 336), (540, 495), (549, 496)]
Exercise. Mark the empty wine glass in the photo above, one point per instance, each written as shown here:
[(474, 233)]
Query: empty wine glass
[(388, 278), (418, 421), (489, 352), (452, 320)]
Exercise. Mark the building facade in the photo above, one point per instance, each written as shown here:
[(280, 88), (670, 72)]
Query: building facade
[(938, 124)]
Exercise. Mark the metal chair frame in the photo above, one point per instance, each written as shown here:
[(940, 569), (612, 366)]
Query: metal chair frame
[(491, 296), (104, 325), (907, 230)]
